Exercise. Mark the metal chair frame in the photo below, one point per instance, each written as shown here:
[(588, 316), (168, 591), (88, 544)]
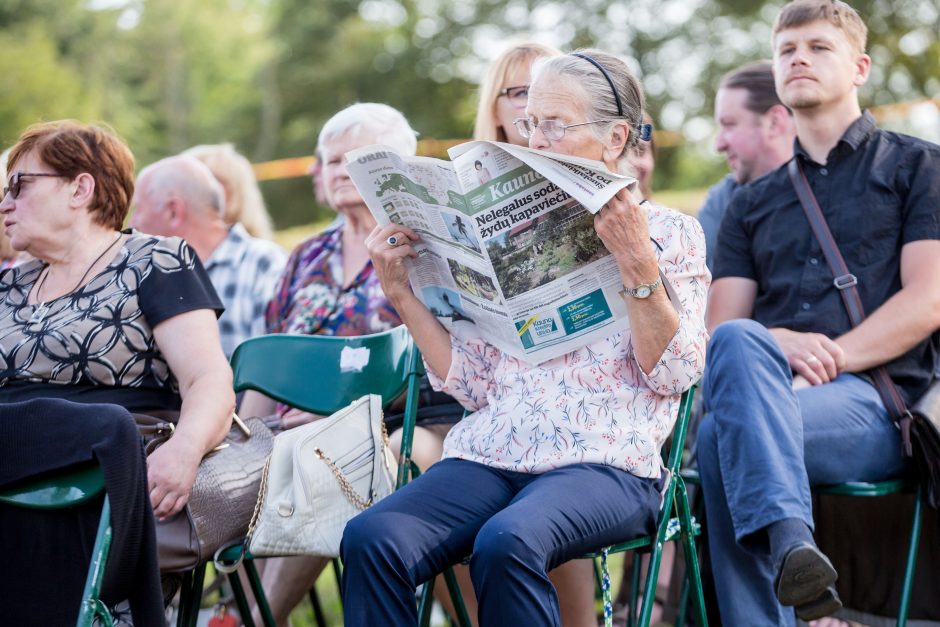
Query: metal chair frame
[(71, 488), (858, 489), (676, 523)]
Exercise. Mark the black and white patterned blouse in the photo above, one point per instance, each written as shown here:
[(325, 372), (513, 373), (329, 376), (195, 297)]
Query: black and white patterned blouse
[(96, 344)]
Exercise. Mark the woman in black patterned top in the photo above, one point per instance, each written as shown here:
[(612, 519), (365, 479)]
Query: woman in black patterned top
[(102, 315)]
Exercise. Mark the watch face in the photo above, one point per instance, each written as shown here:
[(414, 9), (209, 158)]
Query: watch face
[(643, 291)]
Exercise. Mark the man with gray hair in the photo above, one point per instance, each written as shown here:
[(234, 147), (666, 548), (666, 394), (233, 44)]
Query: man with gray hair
[(180, 196), (756, 133)]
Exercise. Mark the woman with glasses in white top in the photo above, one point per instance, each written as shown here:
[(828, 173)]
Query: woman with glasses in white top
[(560, 458)]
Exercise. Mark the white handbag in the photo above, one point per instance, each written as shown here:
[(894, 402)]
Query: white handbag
[(319, 476)]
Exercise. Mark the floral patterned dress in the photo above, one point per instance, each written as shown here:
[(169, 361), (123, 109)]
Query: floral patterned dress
[(310, 298)]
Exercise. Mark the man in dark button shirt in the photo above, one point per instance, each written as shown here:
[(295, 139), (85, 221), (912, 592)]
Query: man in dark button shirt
[(787, 401)]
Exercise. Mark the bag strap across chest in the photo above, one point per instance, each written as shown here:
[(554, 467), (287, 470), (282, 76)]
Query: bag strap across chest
[(847, 285)]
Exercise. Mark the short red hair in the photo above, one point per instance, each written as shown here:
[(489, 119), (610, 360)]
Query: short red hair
[(72, 148)]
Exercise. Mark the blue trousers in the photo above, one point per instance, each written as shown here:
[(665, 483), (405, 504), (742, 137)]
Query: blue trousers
[(515, 526), (762, 445)]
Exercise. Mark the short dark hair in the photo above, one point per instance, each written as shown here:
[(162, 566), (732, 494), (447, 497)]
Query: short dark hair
[(758, 80)]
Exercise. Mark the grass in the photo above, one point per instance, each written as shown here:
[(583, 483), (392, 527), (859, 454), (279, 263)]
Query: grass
[(302, 616)]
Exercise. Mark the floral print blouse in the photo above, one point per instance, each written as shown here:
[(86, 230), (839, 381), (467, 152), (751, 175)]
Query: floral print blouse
[(310, 298), (592, 405)]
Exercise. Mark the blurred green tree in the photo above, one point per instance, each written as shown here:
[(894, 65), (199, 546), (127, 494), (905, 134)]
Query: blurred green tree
[(266, 74)]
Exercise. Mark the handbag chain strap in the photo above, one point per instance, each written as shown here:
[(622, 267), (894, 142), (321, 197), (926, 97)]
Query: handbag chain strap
[(256, 515), (846, 283), (345, 486)]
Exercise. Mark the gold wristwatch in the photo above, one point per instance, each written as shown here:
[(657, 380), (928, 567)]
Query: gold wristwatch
[(642, 290)]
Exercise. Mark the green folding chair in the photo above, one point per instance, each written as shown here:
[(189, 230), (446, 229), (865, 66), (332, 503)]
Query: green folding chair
[(75, 487), (72, 488), (676, 523), (882, 488), (906, 485), (304, 371)]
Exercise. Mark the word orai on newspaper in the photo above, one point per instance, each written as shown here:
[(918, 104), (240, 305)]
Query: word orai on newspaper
[(508, 251)]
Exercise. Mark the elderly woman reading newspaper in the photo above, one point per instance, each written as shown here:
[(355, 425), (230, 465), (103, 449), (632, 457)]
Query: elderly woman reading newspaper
[(559, 458)]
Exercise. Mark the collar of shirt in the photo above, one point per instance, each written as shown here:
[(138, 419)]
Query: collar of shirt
[(853, 137), (227, 251)]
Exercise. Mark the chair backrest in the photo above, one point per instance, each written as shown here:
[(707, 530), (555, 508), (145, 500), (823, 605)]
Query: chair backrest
[(322, 374)]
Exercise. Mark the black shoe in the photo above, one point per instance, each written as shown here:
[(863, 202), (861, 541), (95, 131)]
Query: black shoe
[(825, 605), (804, 575)]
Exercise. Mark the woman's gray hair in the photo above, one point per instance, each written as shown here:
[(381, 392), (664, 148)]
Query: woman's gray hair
[(601, 102), (381, 123)]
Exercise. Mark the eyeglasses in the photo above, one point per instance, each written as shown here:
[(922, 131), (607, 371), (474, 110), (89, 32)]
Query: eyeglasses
[(518, 96), (15, 183), (553, 130)]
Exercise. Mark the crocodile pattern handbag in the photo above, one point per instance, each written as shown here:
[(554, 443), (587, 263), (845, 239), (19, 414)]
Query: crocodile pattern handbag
[(223, 497)]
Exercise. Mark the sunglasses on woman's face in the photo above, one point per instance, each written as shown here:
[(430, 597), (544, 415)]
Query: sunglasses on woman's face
[(15, 184)]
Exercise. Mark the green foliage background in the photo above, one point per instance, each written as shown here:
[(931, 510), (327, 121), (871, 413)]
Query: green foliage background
[(266, 74)]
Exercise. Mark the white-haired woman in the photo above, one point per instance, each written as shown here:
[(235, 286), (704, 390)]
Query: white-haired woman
[(560, 458), (329, 287)]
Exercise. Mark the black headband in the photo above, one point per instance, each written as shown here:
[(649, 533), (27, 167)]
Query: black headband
[(645, 130), (607, 76)]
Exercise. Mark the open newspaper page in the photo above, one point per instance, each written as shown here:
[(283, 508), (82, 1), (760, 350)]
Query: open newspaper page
[(508, 252)]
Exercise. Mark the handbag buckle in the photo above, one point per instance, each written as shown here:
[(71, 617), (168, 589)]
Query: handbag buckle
[(845, 281), (905, 425), (163, 429)]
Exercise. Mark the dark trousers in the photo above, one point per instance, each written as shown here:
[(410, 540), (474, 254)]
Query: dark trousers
[(516, 527)]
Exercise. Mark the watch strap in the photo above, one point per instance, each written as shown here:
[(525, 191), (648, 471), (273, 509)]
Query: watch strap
[(634, 291)]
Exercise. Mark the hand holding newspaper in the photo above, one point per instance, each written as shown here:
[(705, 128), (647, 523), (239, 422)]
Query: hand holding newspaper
[(508, 250)]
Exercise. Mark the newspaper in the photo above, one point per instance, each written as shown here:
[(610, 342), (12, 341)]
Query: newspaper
[(508, 251)]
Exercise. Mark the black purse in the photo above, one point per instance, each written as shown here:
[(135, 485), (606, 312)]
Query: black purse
[(920, 425)]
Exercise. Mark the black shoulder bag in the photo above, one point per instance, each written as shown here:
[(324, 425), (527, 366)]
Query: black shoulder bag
[(920, 425)]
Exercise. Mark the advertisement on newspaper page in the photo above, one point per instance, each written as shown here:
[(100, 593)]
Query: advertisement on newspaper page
[(508, 251)]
